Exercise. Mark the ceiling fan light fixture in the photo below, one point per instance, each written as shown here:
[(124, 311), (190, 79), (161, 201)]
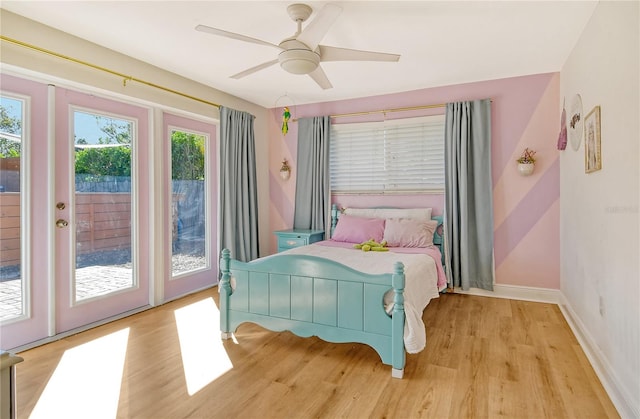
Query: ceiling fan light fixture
[(299, 61), (302, 52)]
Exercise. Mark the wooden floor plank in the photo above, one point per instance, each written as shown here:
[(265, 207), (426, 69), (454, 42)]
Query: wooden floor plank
[(485, 357), (437, 389)]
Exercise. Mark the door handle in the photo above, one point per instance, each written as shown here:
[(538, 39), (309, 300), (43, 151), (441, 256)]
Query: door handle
[(60, 205), (62, 223)]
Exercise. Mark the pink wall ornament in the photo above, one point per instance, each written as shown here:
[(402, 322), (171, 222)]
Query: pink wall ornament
[(562, 137)]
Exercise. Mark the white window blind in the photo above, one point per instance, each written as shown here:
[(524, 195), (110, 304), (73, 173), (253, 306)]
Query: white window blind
[(402, 155)]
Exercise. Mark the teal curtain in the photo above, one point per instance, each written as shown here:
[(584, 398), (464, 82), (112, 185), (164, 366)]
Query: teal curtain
[(313, 198), (238, 185), (468, 195)]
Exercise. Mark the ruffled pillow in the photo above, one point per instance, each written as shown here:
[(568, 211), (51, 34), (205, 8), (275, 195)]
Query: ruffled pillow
[(406, 232)]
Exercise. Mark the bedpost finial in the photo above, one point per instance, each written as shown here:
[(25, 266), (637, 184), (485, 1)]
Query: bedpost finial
[(398, 276), (225, 264), (398, 284), (399, 267)]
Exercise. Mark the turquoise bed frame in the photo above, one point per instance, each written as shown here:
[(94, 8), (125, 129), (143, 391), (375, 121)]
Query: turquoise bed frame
[(312, 296)]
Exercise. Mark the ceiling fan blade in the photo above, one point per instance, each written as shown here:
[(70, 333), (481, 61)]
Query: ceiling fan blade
[(313, 33), (236, 36), (254, 69), (345, 54), (318, 75)]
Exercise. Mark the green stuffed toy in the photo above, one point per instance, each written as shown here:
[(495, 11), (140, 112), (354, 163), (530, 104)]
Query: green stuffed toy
[(372, 245)]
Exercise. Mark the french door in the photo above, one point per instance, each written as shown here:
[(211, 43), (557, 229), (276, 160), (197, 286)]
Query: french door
[(190, 225), (101, 208), (74, 210), (78, 234)]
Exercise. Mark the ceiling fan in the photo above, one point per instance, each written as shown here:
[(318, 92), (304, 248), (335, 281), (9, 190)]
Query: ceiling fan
[(302, 52)]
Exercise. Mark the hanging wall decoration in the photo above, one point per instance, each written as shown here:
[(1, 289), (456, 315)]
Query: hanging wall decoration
[(286, 115), (562, 137), (285, 170), (576, 122), (287, 105)]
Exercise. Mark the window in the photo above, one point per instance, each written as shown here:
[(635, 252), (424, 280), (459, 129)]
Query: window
[(403, 155), (104, 213), (13, 213), (188, 205)]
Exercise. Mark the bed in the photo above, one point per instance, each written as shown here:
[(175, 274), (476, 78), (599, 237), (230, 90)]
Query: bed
[(341, 294)]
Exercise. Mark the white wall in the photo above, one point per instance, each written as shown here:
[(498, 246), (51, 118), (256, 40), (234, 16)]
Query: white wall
[(599, 229), (17, 57)]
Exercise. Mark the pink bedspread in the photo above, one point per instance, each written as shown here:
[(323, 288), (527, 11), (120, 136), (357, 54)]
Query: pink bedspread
[(431, 251)]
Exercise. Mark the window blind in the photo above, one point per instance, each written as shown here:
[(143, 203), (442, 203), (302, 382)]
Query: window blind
[(402, 155)]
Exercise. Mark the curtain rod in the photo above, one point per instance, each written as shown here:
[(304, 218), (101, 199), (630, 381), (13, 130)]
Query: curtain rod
[(408, 108), (126, 78)]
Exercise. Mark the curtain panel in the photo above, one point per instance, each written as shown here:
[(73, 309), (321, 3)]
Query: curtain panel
[(238, 185), (312, 200), (469, 195)]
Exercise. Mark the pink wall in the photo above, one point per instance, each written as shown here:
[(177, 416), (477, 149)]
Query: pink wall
[(525, 113)]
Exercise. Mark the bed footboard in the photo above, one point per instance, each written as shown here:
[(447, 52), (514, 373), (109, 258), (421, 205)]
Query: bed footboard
[(312, 296)]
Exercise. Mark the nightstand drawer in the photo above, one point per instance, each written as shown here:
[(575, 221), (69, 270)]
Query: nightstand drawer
[(288, 239), (290, 242)]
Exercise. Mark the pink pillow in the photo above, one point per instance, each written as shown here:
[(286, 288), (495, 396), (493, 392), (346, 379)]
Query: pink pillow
[(406, 232), (358, 229)]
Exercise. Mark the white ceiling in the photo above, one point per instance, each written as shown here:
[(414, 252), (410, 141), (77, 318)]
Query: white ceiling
[(440, 42)]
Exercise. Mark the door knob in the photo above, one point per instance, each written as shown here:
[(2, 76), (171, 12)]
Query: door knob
[(62, 223), (61, 205)]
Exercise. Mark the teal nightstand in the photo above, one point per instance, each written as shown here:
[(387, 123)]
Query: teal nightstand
[(288, 239)]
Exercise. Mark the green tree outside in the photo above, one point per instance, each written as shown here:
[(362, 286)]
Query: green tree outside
[(187, 156), (116, 132), (187, 150), (108, 161), (9, 125)]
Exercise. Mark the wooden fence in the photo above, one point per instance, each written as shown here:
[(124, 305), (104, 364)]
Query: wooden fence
[(9, 228), (103, 222), (10, 174)]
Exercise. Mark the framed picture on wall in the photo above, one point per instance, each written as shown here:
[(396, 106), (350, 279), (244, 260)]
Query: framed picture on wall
[(592, 155)]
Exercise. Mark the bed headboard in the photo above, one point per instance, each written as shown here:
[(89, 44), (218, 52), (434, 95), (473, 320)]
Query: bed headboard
[(438, 239)]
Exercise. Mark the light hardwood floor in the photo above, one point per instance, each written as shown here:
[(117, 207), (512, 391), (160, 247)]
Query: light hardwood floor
[(485, 357)]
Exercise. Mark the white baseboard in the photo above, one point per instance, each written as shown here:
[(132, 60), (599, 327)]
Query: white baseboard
[(620, 398), (516, 292)]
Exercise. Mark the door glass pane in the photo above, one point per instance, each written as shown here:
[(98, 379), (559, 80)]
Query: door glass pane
[(12, 286), (103, 204), (188, 219)]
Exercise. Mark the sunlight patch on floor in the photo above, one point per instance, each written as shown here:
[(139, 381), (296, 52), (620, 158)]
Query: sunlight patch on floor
[(203, 355), (86, 382)]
